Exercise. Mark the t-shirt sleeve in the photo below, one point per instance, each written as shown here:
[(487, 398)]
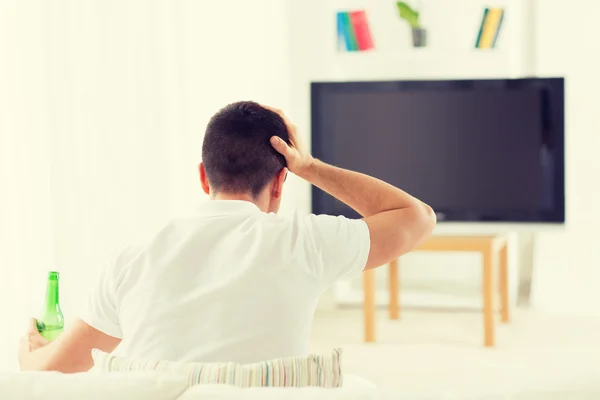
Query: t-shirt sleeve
[(101, 312), (340, 246)]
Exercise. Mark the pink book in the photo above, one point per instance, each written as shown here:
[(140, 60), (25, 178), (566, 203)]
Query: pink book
[(361, 30)]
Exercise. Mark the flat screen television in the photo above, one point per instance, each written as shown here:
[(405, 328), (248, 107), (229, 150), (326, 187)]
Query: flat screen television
[(474, 150)]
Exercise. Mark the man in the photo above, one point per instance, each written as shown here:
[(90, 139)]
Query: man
[(235, 282)]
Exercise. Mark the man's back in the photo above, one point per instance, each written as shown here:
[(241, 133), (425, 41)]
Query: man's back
[(235, 282), (229, 283)]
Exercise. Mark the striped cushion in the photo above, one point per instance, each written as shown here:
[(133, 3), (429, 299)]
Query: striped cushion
[(313, 370)]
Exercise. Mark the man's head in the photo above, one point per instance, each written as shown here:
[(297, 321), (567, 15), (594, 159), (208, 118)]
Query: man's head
[(238, 160)]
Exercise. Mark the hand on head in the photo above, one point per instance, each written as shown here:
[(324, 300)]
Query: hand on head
[(297, 156)]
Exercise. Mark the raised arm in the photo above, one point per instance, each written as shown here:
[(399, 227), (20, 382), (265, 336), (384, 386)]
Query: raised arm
[(397, 221)]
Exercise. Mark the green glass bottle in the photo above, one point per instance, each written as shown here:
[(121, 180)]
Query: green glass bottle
[(51, 324)]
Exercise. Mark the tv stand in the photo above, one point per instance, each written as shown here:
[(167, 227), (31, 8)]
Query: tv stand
[(493, 250)]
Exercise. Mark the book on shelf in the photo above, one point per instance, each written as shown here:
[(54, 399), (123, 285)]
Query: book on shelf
[(341, 33), (353, 31), (362, 32), (498, 28), (489, 29)]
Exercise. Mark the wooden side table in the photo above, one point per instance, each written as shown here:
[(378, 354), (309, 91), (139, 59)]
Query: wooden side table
[(492, 248)]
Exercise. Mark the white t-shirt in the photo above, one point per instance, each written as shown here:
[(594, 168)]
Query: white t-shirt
[(229, 283)]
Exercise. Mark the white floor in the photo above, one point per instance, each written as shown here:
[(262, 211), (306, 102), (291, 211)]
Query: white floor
[(429, 353)]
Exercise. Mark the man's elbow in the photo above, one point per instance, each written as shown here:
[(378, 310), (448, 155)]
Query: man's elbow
[(424, 221), (429, 220)]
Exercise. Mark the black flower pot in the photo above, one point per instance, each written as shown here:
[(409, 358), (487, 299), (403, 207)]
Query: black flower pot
[(419, 36)]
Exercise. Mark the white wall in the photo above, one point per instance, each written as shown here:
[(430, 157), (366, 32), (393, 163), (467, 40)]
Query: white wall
[(452, 29), (567, 269), (538, 38), (102, 111)]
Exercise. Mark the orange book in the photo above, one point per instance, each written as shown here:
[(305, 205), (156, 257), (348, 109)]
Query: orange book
[(361, 30)]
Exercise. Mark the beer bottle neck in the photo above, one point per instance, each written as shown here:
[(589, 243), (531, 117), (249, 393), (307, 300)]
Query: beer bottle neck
[(52, 294)]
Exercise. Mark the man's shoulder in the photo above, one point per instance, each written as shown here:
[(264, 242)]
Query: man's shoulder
[(308, 219), (314, 227), (326, 220)]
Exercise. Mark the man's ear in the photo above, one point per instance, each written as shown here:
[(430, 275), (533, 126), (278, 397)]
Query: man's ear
[(204, 179), (278, 183)]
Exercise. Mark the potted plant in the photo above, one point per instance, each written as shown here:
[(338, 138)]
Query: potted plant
[(410, 15)]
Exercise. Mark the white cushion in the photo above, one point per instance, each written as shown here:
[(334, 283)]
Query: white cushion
[(355, 388), (312, 370), (90, 386)]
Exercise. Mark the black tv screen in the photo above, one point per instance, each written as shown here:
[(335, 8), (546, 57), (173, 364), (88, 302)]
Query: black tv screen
[(474, 150)]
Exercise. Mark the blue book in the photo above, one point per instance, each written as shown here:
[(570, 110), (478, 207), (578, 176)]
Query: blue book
[(341, 33), (349, 34), (345, 32)]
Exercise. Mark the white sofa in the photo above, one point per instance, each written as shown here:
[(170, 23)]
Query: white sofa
[(155, 386)]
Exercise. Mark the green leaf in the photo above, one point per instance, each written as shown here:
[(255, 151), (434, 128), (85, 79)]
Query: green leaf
[(408, 14)]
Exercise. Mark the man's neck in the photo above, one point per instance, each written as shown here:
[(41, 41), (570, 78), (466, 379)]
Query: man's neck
[(225, 196), (240, 197)]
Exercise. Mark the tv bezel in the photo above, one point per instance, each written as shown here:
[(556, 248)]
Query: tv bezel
[(554, 117)]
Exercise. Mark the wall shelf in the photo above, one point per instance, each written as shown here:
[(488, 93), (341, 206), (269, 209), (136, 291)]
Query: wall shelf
[(420, 64)]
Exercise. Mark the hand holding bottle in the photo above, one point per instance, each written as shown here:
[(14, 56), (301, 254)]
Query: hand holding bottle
[(31, 341)]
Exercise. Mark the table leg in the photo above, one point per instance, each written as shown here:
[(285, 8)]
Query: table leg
[(488, 298), (369, 304), (504, 284), (394, 307)]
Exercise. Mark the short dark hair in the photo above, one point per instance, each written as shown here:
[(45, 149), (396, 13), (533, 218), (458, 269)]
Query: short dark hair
[(237, 153)]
